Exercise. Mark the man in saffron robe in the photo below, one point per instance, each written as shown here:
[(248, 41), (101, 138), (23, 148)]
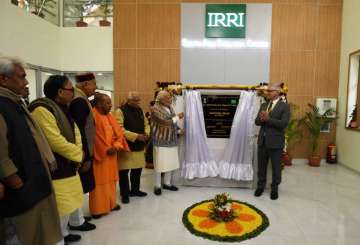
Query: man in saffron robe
[(109, 140)]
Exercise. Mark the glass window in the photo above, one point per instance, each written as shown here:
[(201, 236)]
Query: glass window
[(84, 13), (31, 77), (46, 9)]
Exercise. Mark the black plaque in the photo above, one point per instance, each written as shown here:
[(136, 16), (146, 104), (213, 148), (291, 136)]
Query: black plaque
[(219, 112)]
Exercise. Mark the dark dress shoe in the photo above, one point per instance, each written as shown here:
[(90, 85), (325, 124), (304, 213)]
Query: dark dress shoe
[(72, 238), (97, 216), (258, 192), (137, 194), (170, 187), (157, 191), (274, 195), (87, 218), (125, 200), (117, 208), (84, 227)]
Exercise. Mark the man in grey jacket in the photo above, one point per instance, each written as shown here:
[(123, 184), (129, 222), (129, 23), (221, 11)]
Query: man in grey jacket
[(273, 117)]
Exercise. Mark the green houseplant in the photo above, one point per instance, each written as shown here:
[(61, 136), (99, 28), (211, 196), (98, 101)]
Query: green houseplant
[(107, 11), (293, 135), (313, 122)]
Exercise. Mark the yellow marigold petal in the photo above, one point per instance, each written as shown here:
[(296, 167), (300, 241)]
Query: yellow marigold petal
[(236, 206), (233, 227), (200, 213), (246, 217), (207, 224)]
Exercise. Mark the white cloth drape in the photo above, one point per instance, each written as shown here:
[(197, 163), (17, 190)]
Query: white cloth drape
[(198, 161), (237, 161)]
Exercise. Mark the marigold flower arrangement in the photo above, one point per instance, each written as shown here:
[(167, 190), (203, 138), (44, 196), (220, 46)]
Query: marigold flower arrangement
[(221, 210)]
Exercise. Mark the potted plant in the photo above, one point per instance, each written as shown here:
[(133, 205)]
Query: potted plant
[(353, 122), (293, 135), (81, 9), (42, 7), (313, 122), (107, 11)]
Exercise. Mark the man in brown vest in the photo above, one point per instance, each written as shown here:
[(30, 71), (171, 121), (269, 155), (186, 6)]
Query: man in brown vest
[(137, 130), (81, 112)]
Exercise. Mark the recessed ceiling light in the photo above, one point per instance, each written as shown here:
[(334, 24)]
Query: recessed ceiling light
[(100, 74)]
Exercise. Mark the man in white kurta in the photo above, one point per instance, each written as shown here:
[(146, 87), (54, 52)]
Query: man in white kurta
[(164, 131)]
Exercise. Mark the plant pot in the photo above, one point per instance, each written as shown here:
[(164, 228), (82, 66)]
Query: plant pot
[(287, 158), (314, 161), (104, 23), (81, 23), (40, 15)]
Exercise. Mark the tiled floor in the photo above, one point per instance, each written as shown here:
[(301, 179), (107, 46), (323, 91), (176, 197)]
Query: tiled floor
[(319, 206)]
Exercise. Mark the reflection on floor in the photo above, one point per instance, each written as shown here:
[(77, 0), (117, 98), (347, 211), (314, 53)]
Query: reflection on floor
[(316, 206)]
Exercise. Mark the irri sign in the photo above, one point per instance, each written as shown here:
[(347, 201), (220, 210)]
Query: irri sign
[(225, 20)]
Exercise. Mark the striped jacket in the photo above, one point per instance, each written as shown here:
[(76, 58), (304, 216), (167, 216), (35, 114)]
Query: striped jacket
[(163, 128)]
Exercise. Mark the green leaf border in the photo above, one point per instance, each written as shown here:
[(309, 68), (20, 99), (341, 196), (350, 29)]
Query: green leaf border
[(246, 236)]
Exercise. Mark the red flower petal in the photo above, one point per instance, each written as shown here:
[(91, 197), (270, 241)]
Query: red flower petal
[(207, 224), (246, 217), (236, 206), (233, 227), (200, 213)]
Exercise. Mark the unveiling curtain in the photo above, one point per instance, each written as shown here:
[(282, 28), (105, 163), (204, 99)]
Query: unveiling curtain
[(237, 161), (198, 161)]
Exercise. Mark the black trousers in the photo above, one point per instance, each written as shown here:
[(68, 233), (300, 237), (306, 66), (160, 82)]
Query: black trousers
[(264, 154), (135, 175)]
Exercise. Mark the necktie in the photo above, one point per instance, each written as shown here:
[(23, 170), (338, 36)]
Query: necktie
[(270, 107)]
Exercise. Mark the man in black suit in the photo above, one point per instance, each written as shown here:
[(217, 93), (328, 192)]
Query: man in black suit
[(273, 117)]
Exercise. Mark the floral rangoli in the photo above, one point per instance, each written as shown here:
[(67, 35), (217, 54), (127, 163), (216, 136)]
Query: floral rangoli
[(227, 220)]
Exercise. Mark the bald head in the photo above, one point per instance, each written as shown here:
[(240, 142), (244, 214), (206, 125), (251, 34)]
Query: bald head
[(133, 99), (164, 98)]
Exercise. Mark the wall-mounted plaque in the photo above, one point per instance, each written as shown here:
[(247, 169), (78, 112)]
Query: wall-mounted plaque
[(219, 112)]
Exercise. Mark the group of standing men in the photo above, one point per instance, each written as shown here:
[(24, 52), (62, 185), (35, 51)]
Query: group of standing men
[(61, 147)]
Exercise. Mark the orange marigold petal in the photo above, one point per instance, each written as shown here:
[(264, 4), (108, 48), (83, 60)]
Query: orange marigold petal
[(246, 217), (200, 213), (207, 224), (233, 227), (236, 206)]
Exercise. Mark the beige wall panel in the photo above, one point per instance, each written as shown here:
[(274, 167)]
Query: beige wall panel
[(153, 65), (296, 69), (158, 1), (327, 73), (145, 100), (205, 1), (295, 28), (158, 25), (125, 78), (302, 102), (124, 30), (304, 55), (330, 2), (123, 1), (329, 27), (174, 67)]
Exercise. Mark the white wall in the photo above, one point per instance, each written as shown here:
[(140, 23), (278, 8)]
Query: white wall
[(86, 49), (28, 37), (41, 43), (348, 141), (225, 60)]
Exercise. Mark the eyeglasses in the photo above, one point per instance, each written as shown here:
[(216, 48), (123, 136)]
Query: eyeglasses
[(69, 89)]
